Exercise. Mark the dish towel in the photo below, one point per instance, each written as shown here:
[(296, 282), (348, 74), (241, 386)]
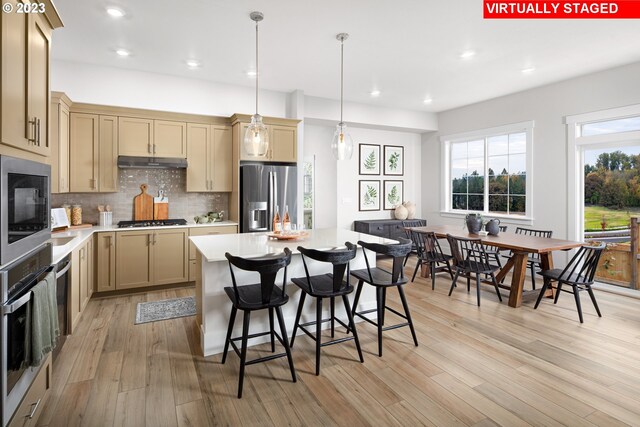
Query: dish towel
[(42, 317)]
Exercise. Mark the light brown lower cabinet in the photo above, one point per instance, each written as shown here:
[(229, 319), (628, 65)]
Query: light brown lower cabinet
[(35, 400), (81, 281), (106, 262), (204, 231)]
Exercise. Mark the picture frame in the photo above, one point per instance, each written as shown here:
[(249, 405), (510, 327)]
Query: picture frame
[(393, 194), (368, 195), (394, 160), (369, 159)]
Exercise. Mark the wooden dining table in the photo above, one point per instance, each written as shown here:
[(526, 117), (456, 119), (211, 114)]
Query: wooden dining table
[(520, 246)]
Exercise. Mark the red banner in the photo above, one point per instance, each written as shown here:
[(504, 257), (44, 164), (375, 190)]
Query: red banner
[(621, 9)]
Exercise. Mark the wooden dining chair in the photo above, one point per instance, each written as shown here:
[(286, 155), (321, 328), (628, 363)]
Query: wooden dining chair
[(430, 252), (407, 224)]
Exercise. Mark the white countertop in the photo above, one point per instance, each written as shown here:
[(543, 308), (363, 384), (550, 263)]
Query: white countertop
[(248, 245)]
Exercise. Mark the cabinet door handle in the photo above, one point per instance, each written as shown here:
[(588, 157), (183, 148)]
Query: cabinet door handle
[(154, 238), (149, 148), (32, 131), (34, 408), (38, 131), (154, 148)]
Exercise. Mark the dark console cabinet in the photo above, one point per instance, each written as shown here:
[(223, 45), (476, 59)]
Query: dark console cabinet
[(388, 228)]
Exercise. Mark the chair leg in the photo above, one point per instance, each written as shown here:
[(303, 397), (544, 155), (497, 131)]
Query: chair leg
[(533, 275), (558, 289), (285, 341), (418, 264), (298, 314), (468, 282), (545, 285), (273, 334), (318, 333), (433, 275), (449, 268), (384, 303), (478, 288), (379, 320), (404, 264), (576, 295), (453, 283), (352, 325), (497, 255), (495, 285), (593, 300), (403, 298), (232, 320), (333, 316), (243, 351)]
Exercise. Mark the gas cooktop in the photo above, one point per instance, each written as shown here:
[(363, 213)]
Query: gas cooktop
[(151, 223)]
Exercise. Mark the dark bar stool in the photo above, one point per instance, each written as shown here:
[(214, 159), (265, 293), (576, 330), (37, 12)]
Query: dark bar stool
[(578, 274), (429, 251), (259, 296), (383, 279), (327, 286)]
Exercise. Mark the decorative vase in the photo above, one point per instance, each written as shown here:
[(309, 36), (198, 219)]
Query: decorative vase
[(493, 227), (474, 223), (411, 209), (401, 212)]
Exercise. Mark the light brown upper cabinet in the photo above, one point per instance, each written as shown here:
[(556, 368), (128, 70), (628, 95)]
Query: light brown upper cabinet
[(135, 137), (283, 139), (26, 47), (59, 142), (209, 156), (169, 139), (93, 154)]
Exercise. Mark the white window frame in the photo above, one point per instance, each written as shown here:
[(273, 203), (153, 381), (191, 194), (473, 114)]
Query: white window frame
[(445, 167), (576, 146)]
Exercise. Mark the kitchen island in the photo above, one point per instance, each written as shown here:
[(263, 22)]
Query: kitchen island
[(213, 305)]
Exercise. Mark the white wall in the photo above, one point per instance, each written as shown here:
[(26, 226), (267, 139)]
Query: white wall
[(136, 89), (337, 182), (547, 106)]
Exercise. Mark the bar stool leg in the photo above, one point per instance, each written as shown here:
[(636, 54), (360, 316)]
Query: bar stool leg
[(273, 336), (318, 333), (355, 300), (379, 320), (408, 314), (298, 314), (352, 325), (243, 351), (384, 303), (333, 316), (285, 343), (232, 320)]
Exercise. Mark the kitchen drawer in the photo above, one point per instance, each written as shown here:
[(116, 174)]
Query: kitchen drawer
[(395, 230), (204, 231), (31, 407)]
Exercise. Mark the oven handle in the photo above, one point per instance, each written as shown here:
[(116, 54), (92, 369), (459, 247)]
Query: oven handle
[(14, 306), (62, 272)]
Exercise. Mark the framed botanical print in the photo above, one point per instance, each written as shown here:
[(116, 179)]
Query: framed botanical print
[(369, 159), (369, 195), (393, 160), (393, 194)]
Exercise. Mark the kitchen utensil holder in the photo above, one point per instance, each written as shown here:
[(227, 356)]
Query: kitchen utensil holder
[(106, 219)]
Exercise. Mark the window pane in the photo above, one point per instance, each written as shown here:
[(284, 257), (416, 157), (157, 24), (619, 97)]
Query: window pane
[(498, 145), (498, 165), (459, 150), (475, 166), (518, 184), (517, 164), (459, 201), (476, 202), (517, 205), (475, 148), (459, 185), (517, 143), (458, 168), (498, 204), (498, 184), (476, 184), (627, 124)]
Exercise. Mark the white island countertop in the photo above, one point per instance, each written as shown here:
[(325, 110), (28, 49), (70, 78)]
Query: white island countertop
[(249, 245)]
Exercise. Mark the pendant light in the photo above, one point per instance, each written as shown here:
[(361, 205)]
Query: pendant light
[(342, 144), (256, 138)]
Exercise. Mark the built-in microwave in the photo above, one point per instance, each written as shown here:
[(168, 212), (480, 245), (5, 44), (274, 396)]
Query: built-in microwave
[(25, 203)]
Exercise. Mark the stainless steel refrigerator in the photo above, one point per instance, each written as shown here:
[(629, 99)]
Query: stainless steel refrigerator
[(263, 186)]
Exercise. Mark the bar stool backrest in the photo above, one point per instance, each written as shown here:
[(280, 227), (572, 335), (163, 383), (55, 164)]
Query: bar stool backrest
[(583, 265), (469, 253), (338, 257), (267, 267), (397, 251)]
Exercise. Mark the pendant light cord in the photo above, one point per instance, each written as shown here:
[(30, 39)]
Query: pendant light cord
[(341, 77), (257, 74)]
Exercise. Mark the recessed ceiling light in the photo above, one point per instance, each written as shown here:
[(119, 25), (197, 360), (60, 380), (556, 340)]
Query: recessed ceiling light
[(115, 12), (123, 52), (251, 73), (192, 63), (528, 70), (428, 101), (467, 54), (375, 93)]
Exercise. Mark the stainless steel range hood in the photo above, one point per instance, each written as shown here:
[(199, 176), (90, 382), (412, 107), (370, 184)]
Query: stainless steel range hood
[(134, 162)]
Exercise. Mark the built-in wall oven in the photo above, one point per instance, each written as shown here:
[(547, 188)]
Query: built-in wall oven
[(25, 218), (17, 279)]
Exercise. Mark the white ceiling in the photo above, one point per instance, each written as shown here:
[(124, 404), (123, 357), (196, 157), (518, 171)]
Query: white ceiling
[(407, 49)]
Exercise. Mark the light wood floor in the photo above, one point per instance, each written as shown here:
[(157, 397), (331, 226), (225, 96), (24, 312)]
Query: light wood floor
[(485, 366)]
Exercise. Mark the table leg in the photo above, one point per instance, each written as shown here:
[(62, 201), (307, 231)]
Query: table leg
[(546, 262), (517, 280), (425, 271), (505, 269)]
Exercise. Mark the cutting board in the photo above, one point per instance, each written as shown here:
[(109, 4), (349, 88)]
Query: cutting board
[(160, 208), (143, 205)]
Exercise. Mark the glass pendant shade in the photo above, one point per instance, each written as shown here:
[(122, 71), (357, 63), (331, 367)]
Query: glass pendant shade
[(256, 138), (342, 144)]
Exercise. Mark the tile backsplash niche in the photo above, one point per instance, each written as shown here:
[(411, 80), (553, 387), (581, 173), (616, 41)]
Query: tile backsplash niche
[(172, 181)]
